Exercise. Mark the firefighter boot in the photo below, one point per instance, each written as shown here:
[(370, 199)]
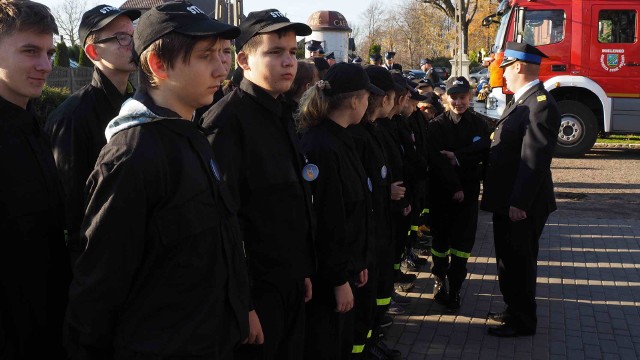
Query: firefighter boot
[(440, 294)]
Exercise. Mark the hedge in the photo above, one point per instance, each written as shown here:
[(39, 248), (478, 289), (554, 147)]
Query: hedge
[(50, 99)]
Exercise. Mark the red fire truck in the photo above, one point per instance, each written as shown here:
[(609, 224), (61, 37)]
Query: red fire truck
[(593, 69)]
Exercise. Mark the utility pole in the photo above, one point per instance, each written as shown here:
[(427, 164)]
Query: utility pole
[(460, 62)]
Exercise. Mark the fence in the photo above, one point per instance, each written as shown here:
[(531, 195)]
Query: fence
[(74, 79)]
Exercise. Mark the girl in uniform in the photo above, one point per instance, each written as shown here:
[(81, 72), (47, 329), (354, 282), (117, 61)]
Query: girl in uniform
[(342, 201)]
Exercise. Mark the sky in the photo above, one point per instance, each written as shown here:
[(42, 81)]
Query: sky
[(296, 10)]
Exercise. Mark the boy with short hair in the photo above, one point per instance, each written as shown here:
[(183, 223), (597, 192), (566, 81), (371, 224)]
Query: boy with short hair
[(262, 163), (76, 127), (163, 274), (34, 265)]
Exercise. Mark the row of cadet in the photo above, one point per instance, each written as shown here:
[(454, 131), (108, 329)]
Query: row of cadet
[(267, 223)]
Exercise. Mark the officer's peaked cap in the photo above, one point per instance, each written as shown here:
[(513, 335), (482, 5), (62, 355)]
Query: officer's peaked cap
[(521, 52)]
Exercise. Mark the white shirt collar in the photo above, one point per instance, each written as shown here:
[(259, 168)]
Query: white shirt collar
[(524, 89)]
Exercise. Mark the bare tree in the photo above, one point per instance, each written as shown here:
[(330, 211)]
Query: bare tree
[(68, 16), (372, 17), (448, 7)]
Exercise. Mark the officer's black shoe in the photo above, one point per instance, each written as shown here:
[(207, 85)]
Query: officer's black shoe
[(440, 294), (500, 316), (453, 304)]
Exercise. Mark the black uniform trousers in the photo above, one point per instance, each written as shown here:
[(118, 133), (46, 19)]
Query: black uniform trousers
[(281, 309), (454, 233), (329, 334), (364, 312), (516, 245)]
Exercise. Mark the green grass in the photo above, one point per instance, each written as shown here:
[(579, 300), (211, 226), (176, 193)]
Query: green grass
[(619, 139)]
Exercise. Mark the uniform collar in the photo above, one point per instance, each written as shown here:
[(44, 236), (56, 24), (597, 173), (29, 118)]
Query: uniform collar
[(147, 101), (23, 118), (101, 81), (339, 132), (524, 89), (263, 98)]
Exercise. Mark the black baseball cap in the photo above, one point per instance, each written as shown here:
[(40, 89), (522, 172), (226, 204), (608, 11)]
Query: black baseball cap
[(99, 17), (181, 17), (415, 95), (266, 21), (459, 85), (424, 82), (400, 82), (345, 78), (381, 78), (330, 56), (521, 52)]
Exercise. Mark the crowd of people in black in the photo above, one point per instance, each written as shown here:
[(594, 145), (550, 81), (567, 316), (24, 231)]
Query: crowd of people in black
[(268, 216)]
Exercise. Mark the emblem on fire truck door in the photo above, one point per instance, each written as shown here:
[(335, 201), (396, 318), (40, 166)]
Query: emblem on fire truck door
[(612, 60)]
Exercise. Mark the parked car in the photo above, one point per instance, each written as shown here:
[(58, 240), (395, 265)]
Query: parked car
[(414, 74), (476, 76)]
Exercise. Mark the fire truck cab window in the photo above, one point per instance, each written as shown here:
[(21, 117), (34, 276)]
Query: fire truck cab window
[(617, 26), (544, 27)]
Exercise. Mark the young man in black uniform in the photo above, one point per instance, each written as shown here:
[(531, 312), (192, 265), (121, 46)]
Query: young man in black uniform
[(253, 127), (518, 188), (163, 274), (76, 127), (34, 265), (461, 141)]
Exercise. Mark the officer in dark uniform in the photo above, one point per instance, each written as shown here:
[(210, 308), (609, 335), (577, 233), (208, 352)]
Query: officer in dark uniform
[(314, 46), (427, 67), (263, 165), (34, 264), (342, 200), (518, 188), (163, 273), (389, 63), (460, 141), (76, 127)]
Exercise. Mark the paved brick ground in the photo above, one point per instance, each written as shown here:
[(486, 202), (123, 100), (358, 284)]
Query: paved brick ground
[(588, 299)]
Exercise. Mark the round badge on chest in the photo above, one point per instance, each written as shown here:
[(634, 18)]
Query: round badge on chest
[(310, 172)]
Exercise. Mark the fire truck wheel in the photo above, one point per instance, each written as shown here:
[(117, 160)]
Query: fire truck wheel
[(578, 129)]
